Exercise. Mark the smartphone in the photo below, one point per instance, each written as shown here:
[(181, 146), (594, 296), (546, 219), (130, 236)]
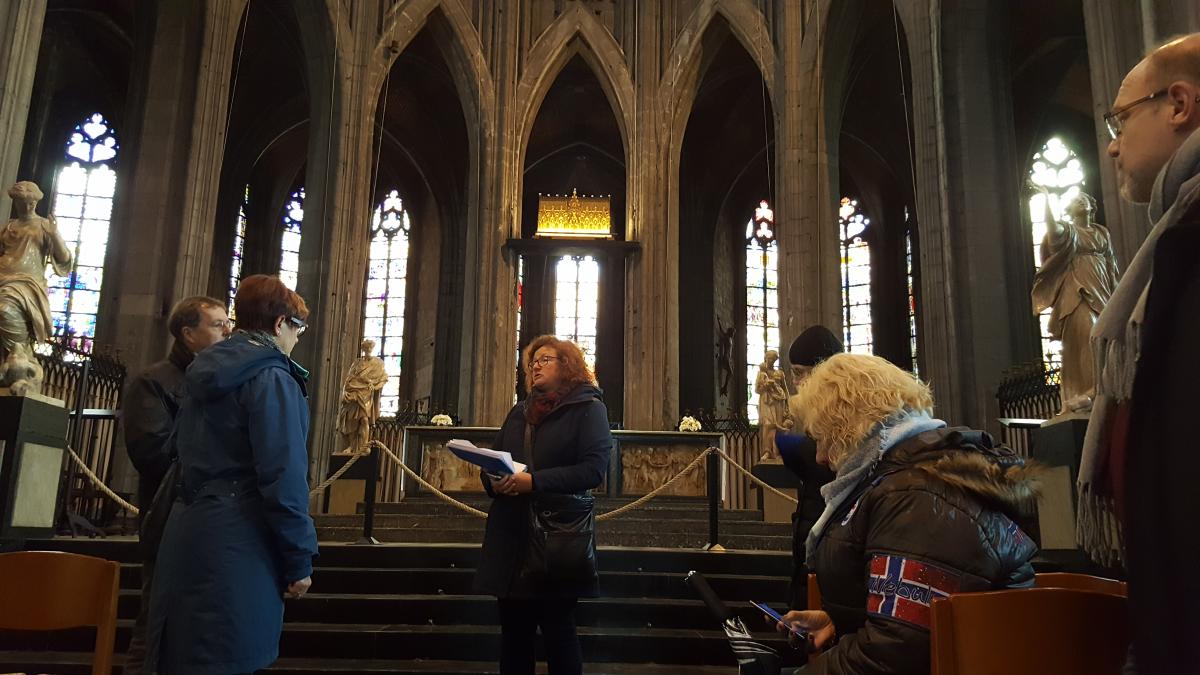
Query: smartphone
[(775, 615)]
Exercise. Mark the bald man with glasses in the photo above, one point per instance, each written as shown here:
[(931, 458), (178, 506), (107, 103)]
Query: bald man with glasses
[(1141, 460)]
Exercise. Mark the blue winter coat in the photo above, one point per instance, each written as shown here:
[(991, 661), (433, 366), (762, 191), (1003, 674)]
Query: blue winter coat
[(240, 531), (572, 445)]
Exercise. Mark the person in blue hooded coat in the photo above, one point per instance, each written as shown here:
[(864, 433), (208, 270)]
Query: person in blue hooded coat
[(239, 538), (566, 424)]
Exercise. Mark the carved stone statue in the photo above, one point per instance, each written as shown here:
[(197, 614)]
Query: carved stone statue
[(1077, 278), (771, 387), (359, 406), (27, 244)]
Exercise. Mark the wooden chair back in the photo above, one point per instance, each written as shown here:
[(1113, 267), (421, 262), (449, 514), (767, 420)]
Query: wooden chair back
[(50, 590), (1081, 582), (1037, 631)]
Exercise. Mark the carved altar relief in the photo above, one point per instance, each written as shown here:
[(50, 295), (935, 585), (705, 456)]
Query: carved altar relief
[(646, 468)]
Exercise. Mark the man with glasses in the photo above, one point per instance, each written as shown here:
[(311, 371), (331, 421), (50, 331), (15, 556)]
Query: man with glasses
[(1140, 457), (148, 413)]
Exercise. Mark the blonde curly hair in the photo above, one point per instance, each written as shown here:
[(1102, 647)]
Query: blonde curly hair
[(846, 395)]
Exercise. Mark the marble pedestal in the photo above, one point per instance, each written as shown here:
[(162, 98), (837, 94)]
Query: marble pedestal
[(1058, 445), (33, 441)]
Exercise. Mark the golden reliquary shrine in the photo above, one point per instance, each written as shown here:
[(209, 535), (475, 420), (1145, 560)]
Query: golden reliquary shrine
[(574, 216)]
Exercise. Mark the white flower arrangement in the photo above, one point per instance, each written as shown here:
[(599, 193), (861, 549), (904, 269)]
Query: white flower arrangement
[(441, 420), (689, 423)]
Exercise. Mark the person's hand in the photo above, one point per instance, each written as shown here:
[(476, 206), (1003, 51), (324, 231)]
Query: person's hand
[(514, 484), (298, 588), (816, 623)]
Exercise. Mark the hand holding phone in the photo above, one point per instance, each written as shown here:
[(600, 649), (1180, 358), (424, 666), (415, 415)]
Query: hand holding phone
[(779, 619)]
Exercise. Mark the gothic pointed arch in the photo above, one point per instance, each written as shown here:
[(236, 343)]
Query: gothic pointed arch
[(575, 32)]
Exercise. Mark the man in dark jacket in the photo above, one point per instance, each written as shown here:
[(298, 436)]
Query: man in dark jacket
[(148, 413), (1155, 125), (799, 454)]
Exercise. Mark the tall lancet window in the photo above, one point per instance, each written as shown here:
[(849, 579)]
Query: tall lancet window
[(387, 279), (762, 300), (239, 246), (912, 298), (289, 245), (83, 200), (577, 303), (856, 278), (1057, 168)]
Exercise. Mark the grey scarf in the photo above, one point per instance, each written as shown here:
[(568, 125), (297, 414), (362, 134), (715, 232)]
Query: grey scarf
[(1116, 346), (858, 466)]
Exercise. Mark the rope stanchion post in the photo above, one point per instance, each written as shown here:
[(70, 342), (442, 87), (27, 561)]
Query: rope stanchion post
[(369, 498), (713, 468)]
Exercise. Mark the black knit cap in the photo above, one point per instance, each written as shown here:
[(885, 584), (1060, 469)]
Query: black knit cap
[(813, 346)]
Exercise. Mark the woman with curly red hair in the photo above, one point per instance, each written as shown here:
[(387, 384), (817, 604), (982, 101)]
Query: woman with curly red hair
[(561, 431)]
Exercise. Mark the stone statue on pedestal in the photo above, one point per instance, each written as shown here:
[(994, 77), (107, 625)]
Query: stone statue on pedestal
[(1077, 277), (771, 387), (359, 406), (27, 244)]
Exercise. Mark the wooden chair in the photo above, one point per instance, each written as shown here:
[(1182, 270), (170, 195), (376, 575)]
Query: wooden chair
[(1081, 582), (1037, 631), (49, 590)]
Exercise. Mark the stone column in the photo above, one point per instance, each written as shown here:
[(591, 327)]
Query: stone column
[(21, 24), (168, 175), (984, 260), (1165, 19), (343, 75), (652, 274), (488, 357), (1115, 44)]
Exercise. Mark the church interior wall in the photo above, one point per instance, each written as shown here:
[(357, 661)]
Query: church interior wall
[(460, 133)]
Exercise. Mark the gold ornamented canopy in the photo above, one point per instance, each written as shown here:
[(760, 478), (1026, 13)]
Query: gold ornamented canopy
[(574, 217)]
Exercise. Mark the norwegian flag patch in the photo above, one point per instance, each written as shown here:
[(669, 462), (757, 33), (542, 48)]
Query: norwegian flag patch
[(902, 588)]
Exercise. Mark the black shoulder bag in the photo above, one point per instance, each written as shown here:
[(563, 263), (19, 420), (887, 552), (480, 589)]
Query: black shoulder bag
[(562, 533)]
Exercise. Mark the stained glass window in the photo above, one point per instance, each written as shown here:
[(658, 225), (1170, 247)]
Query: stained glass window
[(912, 298), (387, 277), (577, 303), (1057, 168), (83, 200), (289, 245), (239, 245), (856, 278), (762, 308)]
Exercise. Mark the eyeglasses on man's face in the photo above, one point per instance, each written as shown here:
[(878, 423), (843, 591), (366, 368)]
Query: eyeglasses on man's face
[(543, 361), (221, 324), (1114, 119), (298, 323)]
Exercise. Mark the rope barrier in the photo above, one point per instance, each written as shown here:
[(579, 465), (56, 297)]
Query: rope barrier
[(656, 491), (427, 485), (754, 478), (338, 474), (599, 517), (100, 484)]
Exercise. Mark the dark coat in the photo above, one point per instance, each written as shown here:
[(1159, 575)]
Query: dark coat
[(240, 531), (1161, 464), (571, 447), (148, 411), (939, 511), (799, 454)]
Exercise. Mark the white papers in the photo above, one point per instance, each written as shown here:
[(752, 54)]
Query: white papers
[(492, 461)]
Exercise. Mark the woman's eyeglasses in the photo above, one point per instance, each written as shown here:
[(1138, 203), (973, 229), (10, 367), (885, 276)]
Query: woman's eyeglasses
[(540, 362), (299, 324)]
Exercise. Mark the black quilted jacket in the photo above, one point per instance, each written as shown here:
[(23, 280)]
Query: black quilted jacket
[(938, 515)]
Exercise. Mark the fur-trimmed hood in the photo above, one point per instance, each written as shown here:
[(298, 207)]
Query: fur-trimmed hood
[(971, 461)]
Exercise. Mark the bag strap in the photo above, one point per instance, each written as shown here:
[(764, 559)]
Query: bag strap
[(529, 446)]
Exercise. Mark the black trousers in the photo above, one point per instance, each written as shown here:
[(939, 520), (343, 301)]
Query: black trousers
[(520, 619)]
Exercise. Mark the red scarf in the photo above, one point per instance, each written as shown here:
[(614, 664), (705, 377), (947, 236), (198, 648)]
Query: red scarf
[(542, 403)]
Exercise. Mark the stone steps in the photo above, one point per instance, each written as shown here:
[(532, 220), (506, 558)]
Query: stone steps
[(410, 608)]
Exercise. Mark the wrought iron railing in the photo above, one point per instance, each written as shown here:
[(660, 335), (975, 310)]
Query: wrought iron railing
[(90, 385), (1028, 394)]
